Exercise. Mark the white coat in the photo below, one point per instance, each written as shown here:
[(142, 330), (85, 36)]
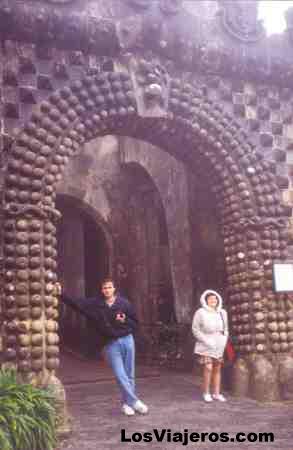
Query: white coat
[(210, 328)]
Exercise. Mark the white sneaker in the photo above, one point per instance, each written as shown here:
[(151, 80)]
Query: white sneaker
[(207, 397), (140, 407), (128, 411), (219, 397)]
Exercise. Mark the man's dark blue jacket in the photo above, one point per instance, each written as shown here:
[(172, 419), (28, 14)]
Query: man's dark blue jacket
[(104, 316)]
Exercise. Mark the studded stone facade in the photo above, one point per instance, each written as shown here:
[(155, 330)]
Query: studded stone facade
[(152, 71)]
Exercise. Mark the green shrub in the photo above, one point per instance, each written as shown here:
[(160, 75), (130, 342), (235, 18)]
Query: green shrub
[(27, 415)]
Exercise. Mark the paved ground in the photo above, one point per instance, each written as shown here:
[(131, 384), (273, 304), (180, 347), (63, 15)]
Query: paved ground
[(175, 404), (76, 369)]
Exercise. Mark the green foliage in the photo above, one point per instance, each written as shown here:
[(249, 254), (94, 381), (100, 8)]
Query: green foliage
[(27, 415)]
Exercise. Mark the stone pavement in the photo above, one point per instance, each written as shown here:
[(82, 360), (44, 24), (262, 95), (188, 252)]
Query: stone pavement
[(77, 369), (175, 403)]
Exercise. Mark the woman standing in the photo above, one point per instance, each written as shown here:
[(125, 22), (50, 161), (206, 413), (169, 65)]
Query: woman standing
[(210, 328)]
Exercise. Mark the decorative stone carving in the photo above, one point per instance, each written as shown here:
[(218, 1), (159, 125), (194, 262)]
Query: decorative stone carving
[(153, 80), (257, 223), (171, 6), (39, 22), (143, 4), (239, 18), (167, 6), (16, 210), (72, 30)]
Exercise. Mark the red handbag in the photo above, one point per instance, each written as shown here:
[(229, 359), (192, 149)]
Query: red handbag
[(229, 353)]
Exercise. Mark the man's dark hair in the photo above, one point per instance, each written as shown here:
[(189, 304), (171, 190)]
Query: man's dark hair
[(107, 280)]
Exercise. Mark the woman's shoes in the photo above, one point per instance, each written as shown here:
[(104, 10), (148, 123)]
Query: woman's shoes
[(207, 397), (219, 397)]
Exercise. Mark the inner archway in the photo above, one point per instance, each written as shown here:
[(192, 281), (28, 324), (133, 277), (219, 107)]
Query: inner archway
[(84, 259), (77, 227)]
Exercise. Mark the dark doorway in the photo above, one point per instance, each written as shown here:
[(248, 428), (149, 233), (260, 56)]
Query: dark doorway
[(150, 281), (83, 261), (96, 257)]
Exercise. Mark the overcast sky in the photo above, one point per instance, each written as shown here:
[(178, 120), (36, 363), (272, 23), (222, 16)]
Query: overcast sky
[(272, 14)]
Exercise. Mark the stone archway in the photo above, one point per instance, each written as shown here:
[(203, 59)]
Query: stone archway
[(177, 117)]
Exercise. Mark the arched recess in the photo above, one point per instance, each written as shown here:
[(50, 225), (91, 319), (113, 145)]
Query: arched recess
[(85, 257), (87, 211), (192, 129), (151, 285)]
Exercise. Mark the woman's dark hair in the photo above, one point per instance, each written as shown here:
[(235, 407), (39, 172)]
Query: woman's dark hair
[(211, 294)]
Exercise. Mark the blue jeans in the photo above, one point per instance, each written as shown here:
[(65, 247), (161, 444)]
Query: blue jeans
[(120, 355)]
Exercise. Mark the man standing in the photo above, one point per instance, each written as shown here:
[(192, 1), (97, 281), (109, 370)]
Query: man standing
[(116, 322)]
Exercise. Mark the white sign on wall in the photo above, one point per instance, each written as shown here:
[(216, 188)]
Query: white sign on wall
[(283, 277)]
